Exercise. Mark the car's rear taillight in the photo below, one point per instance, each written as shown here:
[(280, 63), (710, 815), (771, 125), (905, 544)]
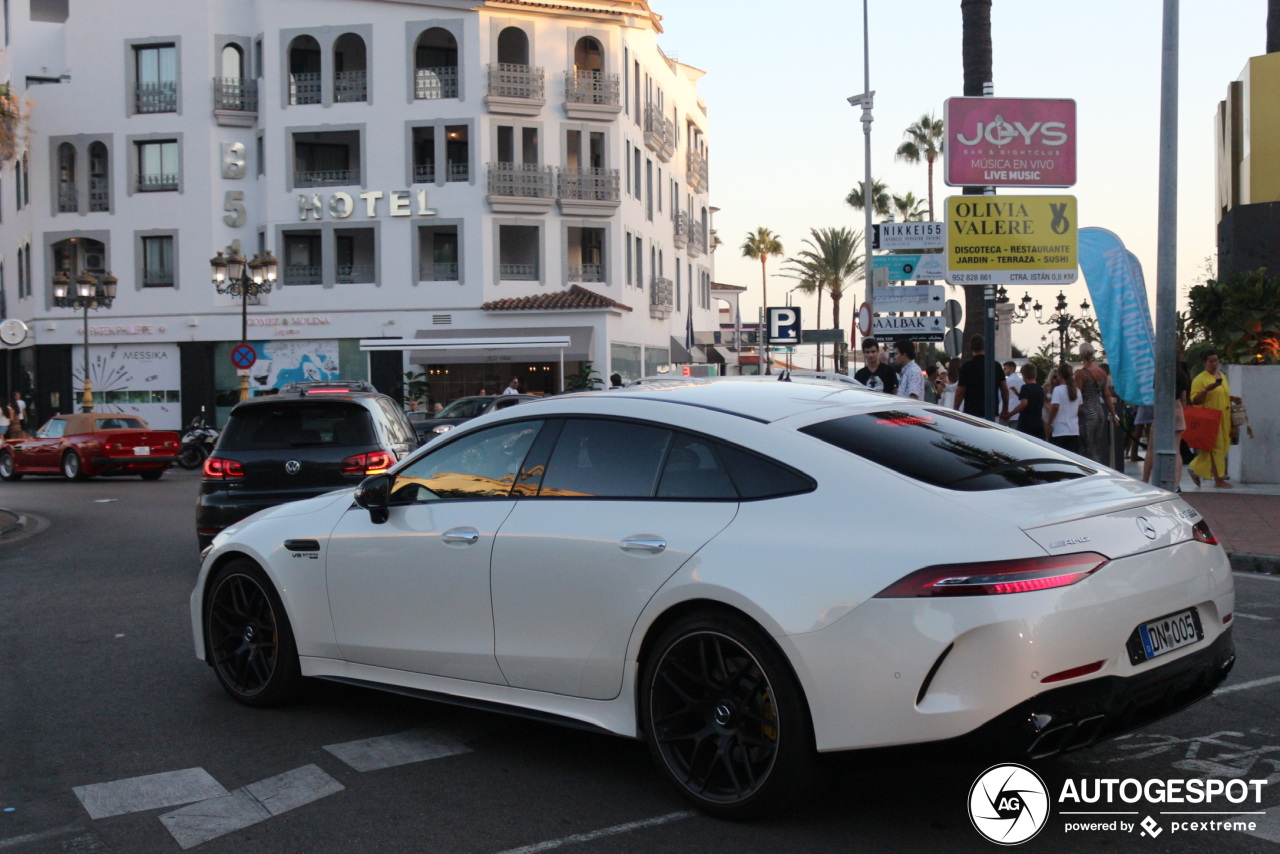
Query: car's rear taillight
[(374, 462), (996, 577), (1201, 533), (218, 468)]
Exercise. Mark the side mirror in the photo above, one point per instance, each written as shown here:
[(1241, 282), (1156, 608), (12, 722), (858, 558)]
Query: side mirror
[(373, 494)]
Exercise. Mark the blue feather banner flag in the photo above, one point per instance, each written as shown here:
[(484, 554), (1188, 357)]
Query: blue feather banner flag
[(1119, 295)]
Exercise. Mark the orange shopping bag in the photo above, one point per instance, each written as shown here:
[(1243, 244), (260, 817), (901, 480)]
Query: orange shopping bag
[(1203, 425)]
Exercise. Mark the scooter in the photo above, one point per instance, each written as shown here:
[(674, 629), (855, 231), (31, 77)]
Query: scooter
[(197, 443)]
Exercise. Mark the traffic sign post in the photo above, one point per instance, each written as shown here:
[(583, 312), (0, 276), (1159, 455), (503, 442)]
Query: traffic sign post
[(783, 325), (907, 268), (909, 235), (911, 298), (243, 356), (927, 327), (1020, 240)]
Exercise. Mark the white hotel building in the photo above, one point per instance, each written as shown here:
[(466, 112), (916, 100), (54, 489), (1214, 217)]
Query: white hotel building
[(508, 187)]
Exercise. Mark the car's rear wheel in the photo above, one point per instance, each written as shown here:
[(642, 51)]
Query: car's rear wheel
[(72, 467), (725, 717), (251, 644), (6, 467)]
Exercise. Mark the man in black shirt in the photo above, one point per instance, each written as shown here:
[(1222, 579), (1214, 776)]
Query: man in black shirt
[(971, 393), (876, 375)]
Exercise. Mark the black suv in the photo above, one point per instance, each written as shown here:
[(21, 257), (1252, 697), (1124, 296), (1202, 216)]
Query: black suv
[(308, 439)]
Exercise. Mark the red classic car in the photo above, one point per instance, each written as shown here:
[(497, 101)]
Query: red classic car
[(88, 444)]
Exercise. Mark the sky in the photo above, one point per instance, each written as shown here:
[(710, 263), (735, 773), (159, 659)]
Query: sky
[(786, 147)]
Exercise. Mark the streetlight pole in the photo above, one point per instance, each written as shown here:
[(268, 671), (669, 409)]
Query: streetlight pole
[(92, 292), (1059, 319), (233, 275)]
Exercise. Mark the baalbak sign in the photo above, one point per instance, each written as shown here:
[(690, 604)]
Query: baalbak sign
[(1010, 142)]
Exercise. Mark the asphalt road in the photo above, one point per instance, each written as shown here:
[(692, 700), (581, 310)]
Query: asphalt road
[(99, 685)]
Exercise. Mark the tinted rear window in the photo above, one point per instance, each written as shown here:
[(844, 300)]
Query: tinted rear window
[(946, 449), (298, 425)]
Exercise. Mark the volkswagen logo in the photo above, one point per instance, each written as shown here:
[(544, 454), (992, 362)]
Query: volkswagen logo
[(293, 467), (1148, 530)]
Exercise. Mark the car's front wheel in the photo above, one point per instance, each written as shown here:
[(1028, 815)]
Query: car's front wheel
[(725, 717), (7, 471), (72, 467), (251, 644)]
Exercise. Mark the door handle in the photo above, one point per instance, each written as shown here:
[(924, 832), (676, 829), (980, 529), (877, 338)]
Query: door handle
[(643, 543), (461, 537)]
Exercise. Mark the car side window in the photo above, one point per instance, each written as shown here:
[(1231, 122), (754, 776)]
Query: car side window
[(54, 428), (693, 471), (605, 459), (755, 477), (478, 465), (394, 424)]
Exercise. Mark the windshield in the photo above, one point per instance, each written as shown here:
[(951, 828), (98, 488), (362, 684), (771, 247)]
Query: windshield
[(467, 407)]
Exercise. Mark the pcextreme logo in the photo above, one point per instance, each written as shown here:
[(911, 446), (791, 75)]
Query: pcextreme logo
[(1008, 804)]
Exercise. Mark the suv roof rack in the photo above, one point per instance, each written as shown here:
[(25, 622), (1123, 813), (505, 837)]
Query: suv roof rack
[(313, 386)]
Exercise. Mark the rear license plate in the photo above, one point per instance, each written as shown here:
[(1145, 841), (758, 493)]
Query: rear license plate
[(142, 451), (1165, 634)]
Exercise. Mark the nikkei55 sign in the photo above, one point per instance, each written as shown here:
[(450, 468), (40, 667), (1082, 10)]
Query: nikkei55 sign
[(1010, 142)]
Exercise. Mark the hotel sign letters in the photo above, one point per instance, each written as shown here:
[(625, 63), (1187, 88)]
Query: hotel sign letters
[(343, 205)]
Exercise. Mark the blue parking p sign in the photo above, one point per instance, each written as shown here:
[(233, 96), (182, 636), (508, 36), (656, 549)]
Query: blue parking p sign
[(783, 324)]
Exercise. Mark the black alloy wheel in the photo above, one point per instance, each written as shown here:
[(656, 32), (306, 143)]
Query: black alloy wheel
[(72, 467), (250, 642), (6, 467), (725, 718)]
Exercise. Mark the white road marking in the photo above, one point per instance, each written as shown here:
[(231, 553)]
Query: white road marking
[(387, 751), (102, 800), (598, 834), (200, 822), (1260, 576), (1252, 616), (1268, 828), (14, 841), (1256, 683)]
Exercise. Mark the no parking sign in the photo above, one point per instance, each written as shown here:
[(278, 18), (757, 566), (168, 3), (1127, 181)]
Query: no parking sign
[(243, 356)]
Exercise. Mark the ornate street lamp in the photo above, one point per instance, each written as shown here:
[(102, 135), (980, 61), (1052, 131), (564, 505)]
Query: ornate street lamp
[(91, 292), (1020, 312), (233, 275), (1059, 319)]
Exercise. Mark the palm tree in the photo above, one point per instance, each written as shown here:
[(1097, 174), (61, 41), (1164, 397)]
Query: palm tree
[(831, 260), (975, 52), (758, 247), (924, 142), (907, 208), (879, 197)]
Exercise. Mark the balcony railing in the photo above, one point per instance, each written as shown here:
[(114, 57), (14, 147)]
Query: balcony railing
[(437, 271), (433, 84), (351, 274), (327, 178), (592, 87), (507, 80), (304, 87), (458, 172), (518, 272), (595, 184), (157, 183), (526, 180), (99, 195), (235, 93), (157, 278), (659, 132), (159, 97), (697, 171), (300, 274), (350, 86), (587, 273), (680, 230), (424, 174), (697, 244), (68, 199), (660, 292)]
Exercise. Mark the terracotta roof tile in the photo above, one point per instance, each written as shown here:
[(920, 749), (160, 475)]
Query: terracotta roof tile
[(576, 297)]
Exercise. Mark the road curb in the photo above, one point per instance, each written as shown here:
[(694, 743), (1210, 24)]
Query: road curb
[(10, 522), (1264, 564)]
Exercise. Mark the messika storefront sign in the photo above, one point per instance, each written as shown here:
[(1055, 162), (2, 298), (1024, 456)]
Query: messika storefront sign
[(342, 205)]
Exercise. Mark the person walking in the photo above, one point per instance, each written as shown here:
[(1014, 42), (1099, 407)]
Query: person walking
[(14, 411), (1028, 414), (1063, 421), (1097, 408), (513, 387), (1013, 379), (1181, 388), (910, 377), (971, 393), (876, 375), (1210, 390)]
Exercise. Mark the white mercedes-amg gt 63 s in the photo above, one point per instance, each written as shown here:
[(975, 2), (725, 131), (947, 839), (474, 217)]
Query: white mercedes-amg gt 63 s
[(742, 573)]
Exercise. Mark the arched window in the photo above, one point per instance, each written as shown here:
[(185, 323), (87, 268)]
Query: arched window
[(513, 46), (588, 55), (350, 69), (304, 71), (99, 178), (68, 200), (435, 65), (232, 62)]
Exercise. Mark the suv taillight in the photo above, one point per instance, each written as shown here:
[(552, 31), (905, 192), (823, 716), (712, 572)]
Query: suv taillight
[(217, 468), (375, 462), (996, 577)]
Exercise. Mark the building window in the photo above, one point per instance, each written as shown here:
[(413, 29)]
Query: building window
[(356, 261), (586, 254), (235, 90), (518, 255), (457, 152), (22, 273), (157, 262), (99, 178), (68, 200), (628, 271), (326, 159), (157, 166), (438, 254), (350, 69), (424, 155), (304, 71), (157, 78), (20, 182), (435, 65), (302, 264)]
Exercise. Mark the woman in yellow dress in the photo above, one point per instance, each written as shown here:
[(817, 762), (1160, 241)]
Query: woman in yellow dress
[(1209, 389)]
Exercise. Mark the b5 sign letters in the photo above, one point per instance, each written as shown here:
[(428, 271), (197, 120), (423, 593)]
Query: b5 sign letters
[(1019, 240)]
